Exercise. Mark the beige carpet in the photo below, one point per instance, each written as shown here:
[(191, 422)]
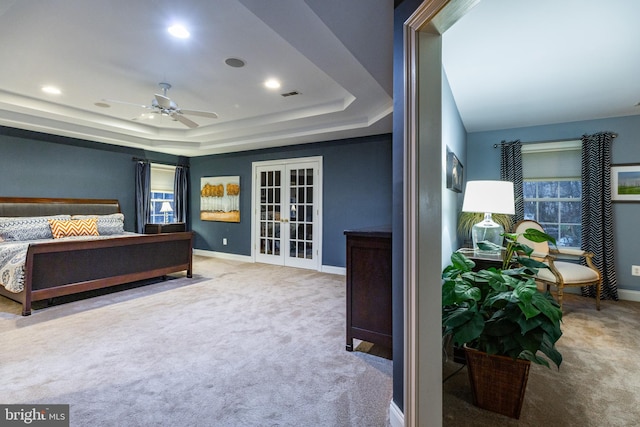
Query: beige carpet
[(598, 384), (238, 345)]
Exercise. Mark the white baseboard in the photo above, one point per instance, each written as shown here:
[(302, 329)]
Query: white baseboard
[(623, 294), (333, 270), (245, 258), (222, 255), (396, 417), (629, 295)]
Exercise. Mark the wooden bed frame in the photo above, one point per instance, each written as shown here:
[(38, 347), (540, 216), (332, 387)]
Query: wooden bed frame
[(62, 268)]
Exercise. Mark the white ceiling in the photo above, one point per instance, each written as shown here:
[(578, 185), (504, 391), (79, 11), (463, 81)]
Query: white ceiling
[(515, 63), (120, 50), (510, 63)]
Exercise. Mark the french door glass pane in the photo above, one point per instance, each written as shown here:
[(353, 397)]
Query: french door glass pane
[(301, 227), (270, 212)]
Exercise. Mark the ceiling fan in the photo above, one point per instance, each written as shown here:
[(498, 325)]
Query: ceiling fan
[(164, 106)]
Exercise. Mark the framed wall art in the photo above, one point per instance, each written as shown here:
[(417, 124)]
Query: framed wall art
[(220, 198), (625, 183), (455, 177)]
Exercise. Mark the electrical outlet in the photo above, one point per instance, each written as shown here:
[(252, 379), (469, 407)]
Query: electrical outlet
[(635, 270), (224, 242)]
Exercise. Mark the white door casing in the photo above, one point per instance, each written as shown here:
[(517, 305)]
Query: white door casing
[(286, 220)]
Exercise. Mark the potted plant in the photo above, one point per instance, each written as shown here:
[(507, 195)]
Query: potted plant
[(502, 320)]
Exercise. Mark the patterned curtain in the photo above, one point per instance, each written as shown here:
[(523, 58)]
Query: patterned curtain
[(511, 170), (597, 213), (143, 195), (180, 194)]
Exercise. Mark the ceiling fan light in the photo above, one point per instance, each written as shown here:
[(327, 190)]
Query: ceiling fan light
[(179, 31)]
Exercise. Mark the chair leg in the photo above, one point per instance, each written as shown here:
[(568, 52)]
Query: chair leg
[(598, 291), (560, 295)]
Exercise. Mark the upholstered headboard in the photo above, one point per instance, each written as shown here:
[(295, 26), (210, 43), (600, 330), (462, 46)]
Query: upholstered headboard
[(31, 206)]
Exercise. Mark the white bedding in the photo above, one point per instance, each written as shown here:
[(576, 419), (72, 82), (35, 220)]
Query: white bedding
[(13, 256)]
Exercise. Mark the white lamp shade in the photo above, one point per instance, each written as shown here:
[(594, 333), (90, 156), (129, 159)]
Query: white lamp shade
[(166, 207), (489, 197)]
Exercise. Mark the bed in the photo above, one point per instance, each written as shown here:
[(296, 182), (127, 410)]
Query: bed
[(69, 265)]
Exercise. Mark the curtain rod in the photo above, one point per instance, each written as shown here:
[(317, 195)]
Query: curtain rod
[(613, 135), (138, 159)]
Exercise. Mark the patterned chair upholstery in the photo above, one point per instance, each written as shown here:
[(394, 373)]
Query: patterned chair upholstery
[(561, 273)]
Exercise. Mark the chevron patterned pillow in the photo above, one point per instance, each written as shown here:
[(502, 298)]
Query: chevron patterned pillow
[(27, 228), (107, 224), (76, 227)]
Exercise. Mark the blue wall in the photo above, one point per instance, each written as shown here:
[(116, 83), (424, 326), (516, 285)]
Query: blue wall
[(39, 165), (357, 181), (356, 192), (454, 138), (626, 149)]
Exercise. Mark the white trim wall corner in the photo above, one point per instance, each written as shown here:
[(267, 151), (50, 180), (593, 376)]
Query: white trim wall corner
[(396, 417), (423, 187)]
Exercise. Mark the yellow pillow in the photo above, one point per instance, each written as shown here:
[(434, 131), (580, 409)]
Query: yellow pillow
[(74, 227)]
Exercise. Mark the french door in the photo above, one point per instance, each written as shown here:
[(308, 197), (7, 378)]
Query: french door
[(286, 215)]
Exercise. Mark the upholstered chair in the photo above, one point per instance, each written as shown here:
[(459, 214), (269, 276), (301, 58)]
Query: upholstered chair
[(561, 273)]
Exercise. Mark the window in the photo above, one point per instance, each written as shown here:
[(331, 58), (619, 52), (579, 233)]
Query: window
[(556, 205), (552, 189), (157, 199), (162, 177)]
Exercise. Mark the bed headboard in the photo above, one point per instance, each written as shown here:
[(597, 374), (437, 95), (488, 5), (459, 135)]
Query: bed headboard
[(32, 206)]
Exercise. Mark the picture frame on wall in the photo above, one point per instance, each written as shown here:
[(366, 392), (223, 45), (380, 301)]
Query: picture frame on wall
[(220, 198), (455, 172), (625, 183)]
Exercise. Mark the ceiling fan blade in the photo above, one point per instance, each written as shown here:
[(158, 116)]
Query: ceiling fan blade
[(182, 119), (163, 101), (127, 103), (208, 114)]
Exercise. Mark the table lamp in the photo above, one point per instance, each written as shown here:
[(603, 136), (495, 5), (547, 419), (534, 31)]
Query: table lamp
[(165, 209), (488, 197)]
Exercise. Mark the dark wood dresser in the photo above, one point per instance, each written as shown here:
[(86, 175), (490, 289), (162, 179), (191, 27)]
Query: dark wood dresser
[(369, 286), (171, 227)]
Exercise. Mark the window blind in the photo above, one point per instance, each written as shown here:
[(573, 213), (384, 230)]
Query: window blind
[(560, 159), (162, 177)]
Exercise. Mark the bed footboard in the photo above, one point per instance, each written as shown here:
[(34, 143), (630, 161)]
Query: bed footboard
[(63, 268)]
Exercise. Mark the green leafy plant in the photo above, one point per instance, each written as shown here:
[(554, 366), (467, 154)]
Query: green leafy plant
[(501, 311)]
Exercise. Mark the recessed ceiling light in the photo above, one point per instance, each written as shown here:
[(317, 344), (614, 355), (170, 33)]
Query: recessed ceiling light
[(179, 31), (52, 90), (272, 84), (102, 105)]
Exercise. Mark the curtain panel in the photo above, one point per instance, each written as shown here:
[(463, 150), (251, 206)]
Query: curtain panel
[(143, 195), (511, 170), (597, 211), (180, 194)]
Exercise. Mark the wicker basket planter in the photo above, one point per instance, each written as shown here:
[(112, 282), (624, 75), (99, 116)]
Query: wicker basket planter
[(498, 383)]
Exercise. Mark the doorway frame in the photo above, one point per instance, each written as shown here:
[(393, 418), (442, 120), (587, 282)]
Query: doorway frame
[(255, 209), (423, 164)]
